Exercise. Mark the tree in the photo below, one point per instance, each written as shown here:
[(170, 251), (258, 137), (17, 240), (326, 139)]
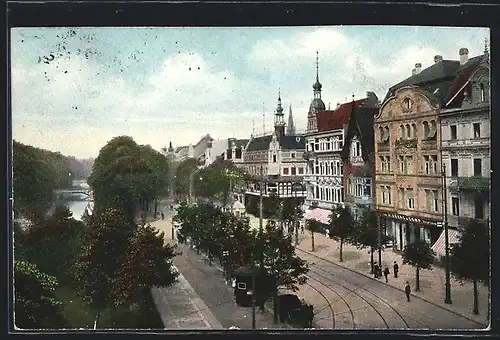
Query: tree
[(183, 177), (469, 259), (366, 233), (419, 255), (284, 266), (313, 226), (35, 304), (341, 226), (147, 264), (108, 240)]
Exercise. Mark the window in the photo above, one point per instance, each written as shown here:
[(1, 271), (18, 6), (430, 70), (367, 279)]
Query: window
[(401, 165), (316, 168), (242, 285), (316, 146), (426, 130), (317, 192), (433, 130), (477, 130), (301, 171), (402, 131), (388, 163), (292, 155), (453, 132), (381, 133), (387, 134), (274, 158), (414, 130), (436, 200), (388, 195), (285, 171), (294, 171), (427, 165), (455, 206), (368, 188), (409, 164), (454, 167), (322, 168), (411, 202), (408, 131), (434, 161), (356, 149), (407, 103), (359, 190), (382, 191), (483, 92), (382, 163), (311, 146), (477, 167)]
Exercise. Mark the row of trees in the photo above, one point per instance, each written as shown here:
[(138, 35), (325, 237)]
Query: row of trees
[(469, 257), (229, 239), (108, 260)]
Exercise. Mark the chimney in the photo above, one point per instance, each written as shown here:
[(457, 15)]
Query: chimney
[(464, 55), (418, 68), (438, 58), (413, 72)]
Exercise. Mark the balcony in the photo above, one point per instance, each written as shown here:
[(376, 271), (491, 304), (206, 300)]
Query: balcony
[(383, 146), (309, 178), (466, 143), (406, 143), (429, 144), (308, 155), (475, 183)]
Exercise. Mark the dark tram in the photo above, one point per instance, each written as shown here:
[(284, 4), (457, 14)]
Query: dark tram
[(243, 288)]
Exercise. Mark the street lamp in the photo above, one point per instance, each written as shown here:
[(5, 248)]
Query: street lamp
[(447, 298), (295, 188), (261, 231)]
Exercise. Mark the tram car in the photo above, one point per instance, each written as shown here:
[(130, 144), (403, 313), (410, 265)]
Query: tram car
[(295, 312), (243, 290)]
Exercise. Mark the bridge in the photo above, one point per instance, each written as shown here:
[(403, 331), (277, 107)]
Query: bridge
[(72, 191)]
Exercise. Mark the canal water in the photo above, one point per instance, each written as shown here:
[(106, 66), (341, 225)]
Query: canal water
[(78, 203)]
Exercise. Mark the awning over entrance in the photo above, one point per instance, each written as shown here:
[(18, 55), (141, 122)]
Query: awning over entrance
[(318, 214), (439, 247)]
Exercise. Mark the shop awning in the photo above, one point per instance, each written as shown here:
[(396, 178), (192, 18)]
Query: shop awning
[(320, 215), (439, 247)]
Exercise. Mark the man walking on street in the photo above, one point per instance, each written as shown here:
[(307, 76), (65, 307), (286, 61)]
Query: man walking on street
[(407, 291), (162, 216), (375, 271), (396, 269), (386, 274)]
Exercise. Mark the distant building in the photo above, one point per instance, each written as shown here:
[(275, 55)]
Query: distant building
[(225, 149), (278, 158)]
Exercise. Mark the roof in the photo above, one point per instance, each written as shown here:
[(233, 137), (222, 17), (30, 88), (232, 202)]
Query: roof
[(286, 142), (331, 120), (463, 76), (361, 125)]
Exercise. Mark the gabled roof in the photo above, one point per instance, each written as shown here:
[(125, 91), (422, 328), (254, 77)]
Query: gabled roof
[(361, 125), (259, 143), (332, 120), (286, 143), (463, 76)]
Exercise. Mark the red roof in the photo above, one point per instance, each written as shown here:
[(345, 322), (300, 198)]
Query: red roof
[(461, 79), (331, 120), (350, 169)]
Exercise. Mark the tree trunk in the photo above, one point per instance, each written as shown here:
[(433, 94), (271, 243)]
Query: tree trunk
[(156, 207), (312, 240), (475, 310), (341, 244), (417, 283), (97, 318), (145, 298), (371, 259)]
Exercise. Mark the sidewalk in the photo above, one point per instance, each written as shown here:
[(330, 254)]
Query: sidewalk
[(431, 281)]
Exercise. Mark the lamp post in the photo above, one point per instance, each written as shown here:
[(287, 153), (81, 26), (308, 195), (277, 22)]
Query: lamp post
[(379, 233), (295, 186), (447, 284), (261, 231)]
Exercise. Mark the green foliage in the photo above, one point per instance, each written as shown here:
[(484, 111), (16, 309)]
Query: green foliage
[(419, 255), (52, 244), (36, 174), (147, 264), (131, 171), (183, 178), (469, 259), (108, 240), (366, 232), (35, 302), (342, 224), (280, 259)]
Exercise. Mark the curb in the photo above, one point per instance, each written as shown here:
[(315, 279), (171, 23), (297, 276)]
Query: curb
[(373, 279)]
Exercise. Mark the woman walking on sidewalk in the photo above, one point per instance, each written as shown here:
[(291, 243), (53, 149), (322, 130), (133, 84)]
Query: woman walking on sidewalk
[(407, 291)]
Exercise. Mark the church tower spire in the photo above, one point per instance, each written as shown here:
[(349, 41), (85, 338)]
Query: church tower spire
[(279, 118), (290, 128)]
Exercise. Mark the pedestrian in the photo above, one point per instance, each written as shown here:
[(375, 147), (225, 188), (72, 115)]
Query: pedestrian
[(327, 233), (386, 274), (375, 270), (407, 291), (396, 269), (380, 272), (162, 216), (302, 229)]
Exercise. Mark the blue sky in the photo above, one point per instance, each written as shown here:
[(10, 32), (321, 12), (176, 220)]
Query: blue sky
[(73, 89)]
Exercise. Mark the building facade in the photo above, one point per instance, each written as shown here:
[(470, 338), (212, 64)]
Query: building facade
[(465, 126), (358, 157), (278, 159)]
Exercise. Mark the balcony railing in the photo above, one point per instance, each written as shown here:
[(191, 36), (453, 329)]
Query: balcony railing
[(475, 183), (406, 143), (429, 145), (383, 146), (470, 143), (308, 155)]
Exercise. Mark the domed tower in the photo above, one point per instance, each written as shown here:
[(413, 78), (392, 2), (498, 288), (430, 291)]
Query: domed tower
[(279, 119), (317, 103)]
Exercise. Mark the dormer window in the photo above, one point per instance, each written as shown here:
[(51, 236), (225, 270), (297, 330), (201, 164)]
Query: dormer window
[(407, 103), (274, 159), (483, 94)]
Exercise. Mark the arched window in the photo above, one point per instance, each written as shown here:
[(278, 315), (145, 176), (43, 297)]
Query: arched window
[(433, 130), (426, 129), (381, 133), (387, 136), (408, 131), (483, 93), (402, 128), (407, 103), (414, 132)]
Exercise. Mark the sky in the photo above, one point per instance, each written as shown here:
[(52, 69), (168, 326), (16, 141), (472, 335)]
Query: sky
[(74, 89)]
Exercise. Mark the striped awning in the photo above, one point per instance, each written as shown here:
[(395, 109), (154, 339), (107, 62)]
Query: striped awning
[(320, 215), (439, 247)]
